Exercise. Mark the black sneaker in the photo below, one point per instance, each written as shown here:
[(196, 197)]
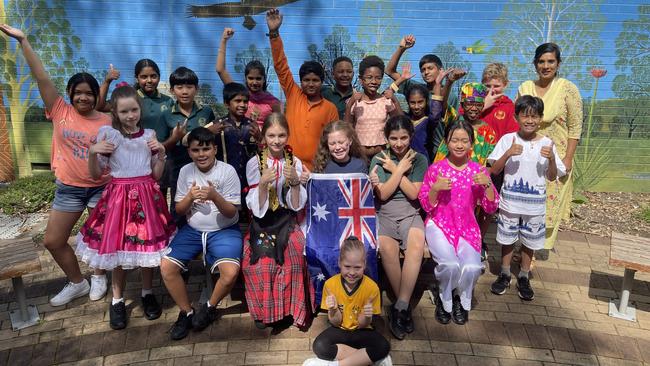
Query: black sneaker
[(152, 309), (204, 317), (458, 314), (259, 324), (117, 314), (442, 316), (394, 324), (182, 327), (406, 320), (501, 284), (524, 289)]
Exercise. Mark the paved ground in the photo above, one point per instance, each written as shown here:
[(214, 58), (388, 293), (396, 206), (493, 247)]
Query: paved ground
[(567, 323)]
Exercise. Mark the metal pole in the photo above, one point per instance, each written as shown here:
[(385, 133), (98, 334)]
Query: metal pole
[(19, 291), (628, 281)]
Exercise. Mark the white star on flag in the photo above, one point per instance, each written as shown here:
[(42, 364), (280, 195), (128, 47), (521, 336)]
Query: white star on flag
[(320, 277), (320, 211)]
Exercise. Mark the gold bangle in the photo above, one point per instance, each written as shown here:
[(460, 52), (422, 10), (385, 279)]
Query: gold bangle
[(394, 87), (437, 97)]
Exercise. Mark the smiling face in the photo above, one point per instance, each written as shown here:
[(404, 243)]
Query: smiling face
[(353, 264), (528, 123), (472, 110), (238, 106), (343, 73), (203, 156), (83, 99), (371, 80), (496, 86), (184, 93), (255, 80), (417, 105), (338, 144), (275, 138), (429, 72), (148, 79), (128, 112), (399, 141), (547, 66), (459, 144), (311, 85)]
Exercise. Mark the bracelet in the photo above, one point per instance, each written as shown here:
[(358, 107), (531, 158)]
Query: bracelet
[(394, 87), (488, 185), (162, 157), (294, 183), (273, 34), (437, 97)]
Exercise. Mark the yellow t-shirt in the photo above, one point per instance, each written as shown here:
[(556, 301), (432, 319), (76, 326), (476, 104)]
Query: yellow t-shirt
[(351, 303)]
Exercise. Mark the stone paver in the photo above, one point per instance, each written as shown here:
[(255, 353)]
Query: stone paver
[(567, 323)]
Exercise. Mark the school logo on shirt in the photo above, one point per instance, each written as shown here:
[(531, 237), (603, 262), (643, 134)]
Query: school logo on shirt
[(202, 121), (500, 114), (164, 107)]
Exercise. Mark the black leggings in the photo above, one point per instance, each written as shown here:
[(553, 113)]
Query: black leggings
[(325, 345)]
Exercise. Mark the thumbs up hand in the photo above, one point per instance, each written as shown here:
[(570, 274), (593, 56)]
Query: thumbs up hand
[(547, 152), (442, 183), (102, 147), (374, 178), (515, 148), (481, 178), (305, 175), (368, 308), (112, 74)]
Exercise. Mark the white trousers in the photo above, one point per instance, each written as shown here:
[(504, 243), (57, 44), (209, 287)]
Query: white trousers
[(457, 270)]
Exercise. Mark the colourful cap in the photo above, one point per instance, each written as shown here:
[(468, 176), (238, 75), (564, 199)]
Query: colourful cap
[(473, 92)]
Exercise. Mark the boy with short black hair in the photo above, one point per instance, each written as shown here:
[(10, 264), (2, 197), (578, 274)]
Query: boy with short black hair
[(341, 91), (209, 193), (528, 159)]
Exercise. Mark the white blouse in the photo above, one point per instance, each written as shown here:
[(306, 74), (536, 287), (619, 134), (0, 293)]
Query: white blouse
[(131, 157), (253, 177)]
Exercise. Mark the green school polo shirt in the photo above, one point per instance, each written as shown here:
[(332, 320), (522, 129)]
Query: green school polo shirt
[(330, 93), (152, 107), (419, 168), (199, 117)]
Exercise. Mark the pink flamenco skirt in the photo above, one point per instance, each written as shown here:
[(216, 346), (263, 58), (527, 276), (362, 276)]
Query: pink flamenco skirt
[(130, 226)]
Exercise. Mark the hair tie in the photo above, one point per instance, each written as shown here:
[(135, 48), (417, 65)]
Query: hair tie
[(121, 84)]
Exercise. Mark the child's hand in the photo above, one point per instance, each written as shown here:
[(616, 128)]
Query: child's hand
[(290, 174), (255, 132), (367, 308), (547, 152), (407, 42), (269, 174), (491, 97), (216, 127), (273, 19), (102, 147), (388, 93), (227, 33), (12, 32), (456, 74), (387, 163), (304, 177), (356, 96), (442, 183), (374, 178), (156, 147), (515, 148), (180, 130), (112, 74), (331, 303), (195, 192), (211, 194), (442, 75), (406, 163), (406, 71), (481, 178)]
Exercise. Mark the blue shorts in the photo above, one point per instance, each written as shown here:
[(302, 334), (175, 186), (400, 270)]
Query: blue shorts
[(220, 246), (75, 199)]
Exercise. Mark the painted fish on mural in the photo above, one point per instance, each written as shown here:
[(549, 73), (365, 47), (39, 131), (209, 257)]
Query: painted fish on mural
[(235, 9)]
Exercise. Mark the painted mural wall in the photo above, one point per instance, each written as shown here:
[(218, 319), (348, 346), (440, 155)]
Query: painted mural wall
[(605, 50)]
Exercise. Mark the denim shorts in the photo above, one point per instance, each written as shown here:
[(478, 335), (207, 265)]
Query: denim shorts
[(75, 199)]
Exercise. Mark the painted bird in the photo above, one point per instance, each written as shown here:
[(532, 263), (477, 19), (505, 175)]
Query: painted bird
[(476, 48), (235, 9)]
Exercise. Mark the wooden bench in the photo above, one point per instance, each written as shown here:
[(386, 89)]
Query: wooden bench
[(630, 252), (17, 258)]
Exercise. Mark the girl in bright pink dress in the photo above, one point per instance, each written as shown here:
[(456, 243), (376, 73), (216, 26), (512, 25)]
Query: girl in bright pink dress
[(131, 225), (451, 189)]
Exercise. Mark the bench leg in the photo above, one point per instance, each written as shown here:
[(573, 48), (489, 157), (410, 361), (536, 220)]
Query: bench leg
[(25, 315), (623, 310)]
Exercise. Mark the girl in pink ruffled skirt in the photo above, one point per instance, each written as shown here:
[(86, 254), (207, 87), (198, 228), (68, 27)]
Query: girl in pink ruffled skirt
[(131, 225)]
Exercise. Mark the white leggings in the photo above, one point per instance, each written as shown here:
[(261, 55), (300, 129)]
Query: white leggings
[(455, 270)]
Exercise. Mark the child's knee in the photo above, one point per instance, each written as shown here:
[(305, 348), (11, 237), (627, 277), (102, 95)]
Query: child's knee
[(379, 350), (228, 273), (168, 269), (324, 349)]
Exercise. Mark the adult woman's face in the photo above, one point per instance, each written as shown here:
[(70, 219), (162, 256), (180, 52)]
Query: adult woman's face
[(547, 66)]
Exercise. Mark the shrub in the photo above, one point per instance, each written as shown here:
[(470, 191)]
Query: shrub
[(28, 194)]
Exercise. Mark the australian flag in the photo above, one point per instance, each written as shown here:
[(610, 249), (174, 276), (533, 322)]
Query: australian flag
[(338, 206)]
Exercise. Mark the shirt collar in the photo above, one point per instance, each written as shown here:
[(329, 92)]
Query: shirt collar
[(142, 94)]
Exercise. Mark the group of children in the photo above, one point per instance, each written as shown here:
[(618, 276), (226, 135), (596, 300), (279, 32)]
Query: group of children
[(258, 157)]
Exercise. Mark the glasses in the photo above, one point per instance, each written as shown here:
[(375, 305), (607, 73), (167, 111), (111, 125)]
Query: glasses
[(372, 78)]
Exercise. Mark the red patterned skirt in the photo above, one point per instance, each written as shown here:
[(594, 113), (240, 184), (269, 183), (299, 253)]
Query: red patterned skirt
[(274, 292)]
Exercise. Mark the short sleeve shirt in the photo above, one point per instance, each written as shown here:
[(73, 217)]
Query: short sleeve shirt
[(205, 216), (152, 107), (199, 117), (416, 174), (354, 165), (351, 303)]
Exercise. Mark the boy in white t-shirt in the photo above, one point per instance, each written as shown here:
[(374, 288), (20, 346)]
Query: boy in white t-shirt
[(528, 159), (208, 192)]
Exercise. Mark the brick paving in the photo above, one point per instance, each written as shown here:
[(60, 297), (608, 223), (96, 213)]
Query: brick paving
[(567, 323)]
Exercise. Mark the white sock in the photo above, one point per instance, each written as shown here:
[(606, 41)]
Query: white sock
[(115, 301), (334, 363), (209, 305), (146, 291), (99, 276), (190, 312)]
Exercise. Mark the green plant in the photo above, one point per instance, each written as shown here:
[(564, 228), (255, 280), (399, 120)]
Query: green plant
[(644, 214), (28, 194)]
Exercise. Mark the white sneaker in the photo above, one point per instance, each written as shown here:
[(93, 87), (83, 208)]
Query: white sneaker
[(315, 362), (98, 287), (70, 292), (387, 361)]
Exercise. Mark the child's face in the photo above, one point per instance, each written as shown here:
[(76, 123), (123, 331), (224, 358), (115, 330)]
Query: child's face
[(429, 72), (128, 112), (399, 141), (275, 138), (238, 106), (343, 73), (311, 85), (495, 86), (255, 80), (338, 144), (353, 264), (472, 110), (203, 156), (417, 105), (528, 122), (459, 144), (547, 65), (184, 93), (83, 99), (148, 79), (371, 80)]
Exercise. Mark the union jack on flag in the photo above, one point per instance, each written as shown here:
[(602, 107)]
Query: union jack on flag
[(338, 206)]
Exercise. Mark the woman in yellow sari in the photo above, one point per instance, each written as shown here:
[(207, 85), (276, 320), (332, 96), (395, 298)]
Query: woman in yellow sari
[(562, 123)]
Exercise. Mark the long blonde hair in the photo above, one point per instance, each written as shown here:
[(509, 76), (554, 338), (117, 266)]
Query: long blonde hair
[(350, 244), (123, 92), (323, 154)]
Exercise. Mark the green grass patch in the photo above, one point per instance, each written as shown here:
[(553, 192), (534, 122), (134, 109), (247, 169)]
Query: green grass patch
[(644, 214), (28, 195)]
